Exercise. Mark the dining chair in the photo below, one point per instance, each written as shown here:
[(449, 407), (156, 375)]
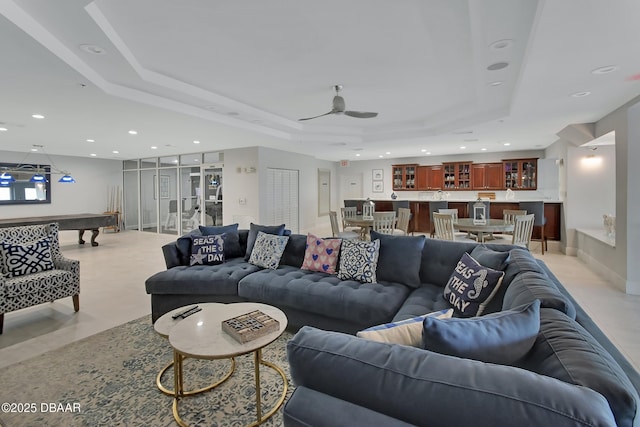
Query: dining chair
[(537, 208), (384, 222), (402, 225), (453, 212), (335, 228), (443, 225), (348, 212), (522, 230), (435, 206), (509, 217)]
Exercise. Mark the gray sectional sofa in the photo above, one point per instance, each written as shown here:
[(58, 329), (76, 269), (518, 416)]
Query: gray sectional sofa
[(570, 373)]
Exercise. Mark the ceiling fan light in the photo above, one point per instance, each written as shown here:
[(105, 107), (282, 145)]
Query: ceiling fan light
[(38, 178), (67, 179)]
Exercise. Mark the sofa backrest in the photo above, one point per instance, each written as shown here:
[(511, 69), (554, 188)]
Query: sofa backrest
[(439, 259)]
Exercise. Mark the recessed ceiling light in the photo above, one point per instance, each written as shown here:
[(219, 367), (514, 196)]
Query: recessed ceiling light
[(581, 94), (3, 129), (34, 149), (91, 140), (428, 152), (93, 154), (605, 70), (93, 49), (37, 116), (357, 154), (494, 84), (133, 132), (381, 156), (423, 150), (497, 66), (501, 44), (115, 152), (483, 149), (196, 142), (463, 148), (153, 147), (506, 144), (388, 152)]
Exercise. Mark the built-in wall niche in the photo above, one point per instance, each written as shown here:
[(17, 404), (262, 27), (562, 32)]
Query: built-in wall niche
[(21, 188)]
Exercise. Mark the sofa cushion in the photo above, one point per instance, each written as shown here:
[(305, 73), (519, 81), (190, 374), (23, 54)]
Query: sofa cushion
[(324, 294), (439, 258), (501, 338), (531, 285), (359, 261), (277, 230), (490, 258), (426, 299), (207, 250), (405, 332), (232, 247), (471, 286), (293, 254), (564, 350), (267, 250), (221, 279), (27, 258), (321, 254), (424, 388), (399, 259)]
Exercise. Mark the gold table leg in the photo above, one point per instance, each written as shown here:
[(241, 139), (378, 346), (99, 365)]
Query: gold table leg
[(170, 392), (179, 392)]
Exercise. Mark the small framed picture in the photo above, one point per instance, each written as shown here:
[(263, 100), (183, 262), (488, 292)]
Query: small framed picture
[(377, 174), (378, 187)]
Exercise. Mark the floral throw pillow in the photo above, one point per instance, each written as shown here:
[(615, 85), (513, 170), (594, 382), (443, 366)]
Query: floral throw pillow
[(359, 260), (321, 254), (267, 250)]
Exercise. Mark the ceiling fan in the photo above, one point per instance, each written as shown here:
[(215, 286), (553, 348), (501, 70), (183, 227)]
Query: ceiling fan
[(340, 108)]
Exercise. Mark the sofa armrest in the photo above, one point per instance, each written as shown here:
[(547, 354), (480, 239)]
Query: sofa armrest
[(171, 255), (425, 388)]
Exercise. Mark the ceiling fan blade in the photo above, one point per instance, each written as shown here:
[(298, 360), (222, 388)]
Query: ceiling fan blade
[(360, 114), (315, 117)]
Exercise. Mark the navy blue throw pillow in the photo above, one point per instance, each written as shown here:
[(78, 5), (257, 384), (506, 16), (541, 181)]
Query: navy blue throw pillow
[(207, 250), (232, 247), (471, 286), (503, 338)]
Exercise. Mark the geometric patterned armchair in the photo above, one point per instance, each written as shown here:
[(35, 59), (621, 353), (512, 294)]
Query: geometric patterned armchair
[(33, 270)]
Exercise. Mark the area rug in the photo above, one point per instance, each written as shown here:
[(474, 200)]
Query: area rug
[(108, 379)]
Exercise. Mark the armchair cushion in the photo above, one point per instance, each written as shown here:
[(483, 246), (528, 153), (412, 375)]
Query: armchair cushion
[(27, 258)]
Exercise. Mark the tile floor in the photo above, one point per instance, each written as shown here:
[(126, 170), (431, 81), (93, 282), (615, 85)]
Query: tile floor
[(112, 293)]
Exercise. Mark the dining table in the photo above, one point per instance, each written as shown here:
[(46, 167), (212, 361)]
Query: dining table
[(360, 221), (490, 226)]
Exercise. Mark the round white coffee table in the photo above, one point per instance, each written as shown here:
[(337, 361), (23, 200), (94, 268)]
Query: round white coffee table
[(163, 326), (200, 336)]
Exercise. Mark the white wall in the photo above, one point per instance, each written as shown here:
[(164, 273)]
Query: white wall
[(94, 178), (241, 186), (307, 166)]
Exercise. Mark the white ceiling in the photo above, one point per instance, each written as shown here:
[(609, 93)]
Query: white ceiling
[(241, 73)]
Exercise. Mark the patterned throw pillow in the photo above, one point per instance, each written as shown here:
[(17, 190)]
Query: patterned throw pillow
[(267, 250), (27, 259), (359, 261), (207, 250), (471, 286), (321, 254), (405, 332)]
